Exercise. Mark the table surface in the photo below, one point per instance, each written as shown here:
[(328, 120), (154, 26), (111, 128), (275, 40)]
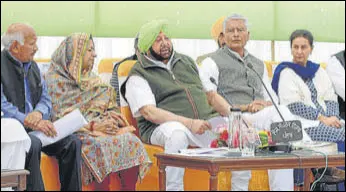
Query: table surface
[(8, 172), (14, 178), (262, 160)]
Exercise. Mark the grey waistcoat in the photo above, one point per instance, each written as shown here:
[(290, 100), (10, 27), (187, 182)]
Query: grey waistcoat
[(239, 83), (341, 57)]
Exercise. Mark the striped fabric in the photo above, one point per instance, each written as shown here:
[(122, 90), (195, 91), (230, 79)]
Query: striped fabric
[(115, 78)]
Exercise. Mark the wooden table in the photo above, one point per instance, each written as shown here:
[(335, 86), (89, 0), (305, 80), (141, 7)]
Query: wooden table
[(297, 159), (14, 178)]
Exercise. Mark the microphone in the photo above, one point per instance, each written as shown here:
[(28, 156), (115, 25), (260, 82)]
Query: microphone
[(265, 87), (284, 126)]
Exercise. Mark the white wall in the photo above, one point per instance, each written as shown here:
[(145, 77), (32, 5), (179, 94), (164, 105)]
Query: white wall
[(123, 47)]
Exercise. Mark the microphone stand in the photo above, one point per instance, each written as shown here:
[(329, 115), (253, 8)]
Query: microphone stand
[(284, 147), (226, 98), (265, 87)]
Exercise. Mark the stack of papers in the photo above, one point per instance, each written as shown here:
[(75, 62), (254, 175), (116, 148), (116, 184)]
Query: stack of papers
[(325, 147)]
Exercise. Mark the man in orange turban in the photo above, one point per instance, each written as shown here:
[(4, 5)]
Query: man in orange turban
[(217, 35), (217, 31)]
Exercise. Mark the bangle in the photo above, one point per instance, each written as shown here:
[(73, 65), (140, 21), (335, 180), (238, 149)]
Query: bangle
[(319, 117), (92, 126)]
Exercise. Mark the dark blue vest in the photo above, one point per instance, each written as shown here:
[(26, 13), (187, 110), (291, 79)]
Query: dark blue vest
[(12, 80)]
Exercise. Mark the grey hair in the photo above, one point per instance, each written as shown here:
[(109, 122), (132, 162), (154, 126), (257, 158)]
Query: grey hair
[(7, 39), (238, 17)]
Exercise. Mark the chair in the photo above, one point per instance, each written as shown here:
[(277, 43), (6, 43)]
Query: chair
[(50, 176), (106, 65), (271, 65), (105, 69), (49, 165)]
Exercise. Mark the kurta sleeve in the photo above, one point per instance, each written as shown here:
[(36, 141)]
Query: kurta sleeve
[(290, 94)]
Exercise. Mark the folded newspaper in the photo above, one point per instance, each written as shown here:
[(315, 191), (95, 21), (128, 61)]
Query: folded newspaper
[(64, 127)]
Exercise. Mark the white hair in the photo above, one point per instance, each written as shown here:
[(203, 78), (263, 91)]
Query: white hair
[(8, 38), (236, 17)]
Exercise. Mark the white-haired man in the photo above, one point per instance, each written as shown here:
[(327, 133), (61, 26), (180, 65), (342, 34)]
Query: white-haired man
[(229, 82), (24, 97)]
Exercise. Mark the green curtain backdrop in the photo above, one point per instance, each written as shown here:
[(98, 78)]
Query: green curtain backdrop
[(268, 20)]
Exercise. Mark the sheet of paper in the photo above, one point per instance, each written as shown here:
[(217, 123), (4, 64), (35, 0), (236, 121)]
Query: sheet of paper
[(211, 152), (201, 150), (64, 127)]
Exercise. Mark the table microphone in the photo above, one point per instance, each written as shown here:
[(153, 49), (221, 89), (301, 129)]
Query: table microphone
[(265, 87)]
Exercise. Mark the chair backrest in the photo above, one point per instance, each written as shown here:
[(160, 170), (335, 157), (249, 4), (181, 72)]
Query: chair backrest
[(105, 69), (123, 71), (106, 65), (271, 65)]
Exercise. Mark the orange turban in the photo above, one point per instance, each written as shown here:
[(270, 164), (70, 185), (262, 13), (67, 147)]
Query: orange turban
[(217, 28)]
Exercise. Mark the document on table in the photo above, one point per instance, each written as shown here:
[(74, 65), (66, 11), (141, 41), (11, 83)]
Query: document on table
[(196, 151), (64, 127), (210, 152)]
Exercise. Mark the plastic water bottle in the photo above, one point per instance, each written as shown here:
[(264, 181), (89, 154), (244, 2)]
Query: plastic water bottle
[(242, 137), (234, 133)]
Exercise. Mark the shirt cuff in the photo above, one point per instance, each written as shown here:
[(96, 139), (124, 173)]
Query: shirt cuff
[(209, 87), (136, 110), (20, 117), (43, 110)]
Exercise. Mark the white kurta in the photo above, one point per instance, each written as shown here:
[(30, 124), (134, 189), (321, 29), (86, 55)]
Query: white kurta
[(293, 89), (337, 75), (15, 142)]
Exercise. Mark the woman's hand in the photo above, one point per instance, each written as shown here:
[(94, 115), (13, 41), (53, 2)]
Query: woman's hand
[(104, 128), (126, 130), (119, 119), (97, 134), (330, 121)]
